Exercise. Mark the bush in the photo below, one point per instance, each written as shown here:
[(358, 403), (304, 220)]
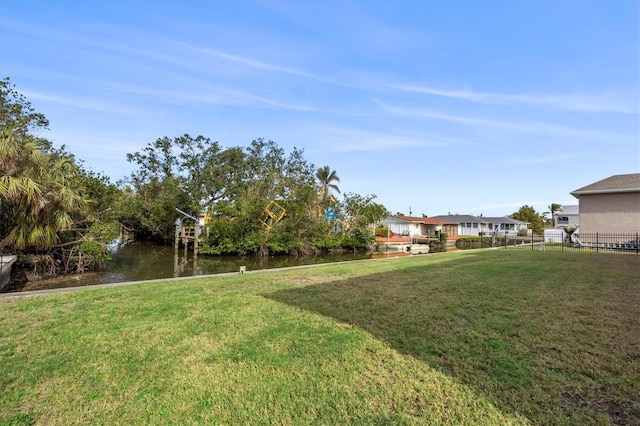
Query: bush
[(327, 243), (437, 247), (94, 251), (360, 239), (381, 232), (466, 243)]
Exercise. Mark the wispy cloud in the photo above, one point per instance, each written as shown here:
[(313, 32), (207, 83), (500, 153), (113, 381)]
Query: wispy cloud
[(518, 126), (260, 65), (379, 143), (211, 95), (335, 138), (542, 159), (607, 102), (283, 105), (92, 103)]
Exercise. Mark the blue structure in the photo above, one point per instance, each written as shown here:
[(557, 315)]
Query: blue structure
[(332, 215)]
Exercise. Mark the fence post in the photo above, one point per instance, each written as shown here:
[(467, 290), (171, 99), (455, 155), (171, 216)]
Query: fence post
[(597, 242), (532, 240), (505, 240), (637, 244)]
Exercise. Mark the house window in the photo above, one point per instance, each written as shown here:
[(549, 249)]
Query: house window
[(468, 224), (475, 225), (462, 225), (564, 220)]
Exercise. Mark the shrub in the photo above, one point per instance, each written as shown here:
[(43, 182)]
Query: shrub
[(360, 239), (327, 242), (94, 251), (437, 247), (465, 243)]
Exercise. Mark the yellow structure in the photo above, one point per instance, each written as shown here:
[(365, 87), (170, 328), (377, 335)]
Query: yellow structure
[(272, 213)]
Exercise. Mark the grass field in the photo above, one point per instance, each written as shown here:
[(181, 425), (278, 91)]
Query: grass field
[(492, 337)]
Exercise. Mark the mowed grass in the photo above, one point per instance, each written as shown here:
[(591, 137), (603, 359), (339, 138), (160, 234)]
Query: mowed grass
[(491, 337)]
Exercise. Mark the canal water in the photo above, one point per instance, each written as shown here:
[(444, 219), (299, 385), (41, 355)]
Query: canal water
[(137, 261)]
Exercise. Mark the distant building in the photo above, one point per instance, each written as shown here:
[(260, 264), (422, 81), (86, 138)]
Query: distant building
[(477, 225), (414, 227), (568, 216), (611, 205)]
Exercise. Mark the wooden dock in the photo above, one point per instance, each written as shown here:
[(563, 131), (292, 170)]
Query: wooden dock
[(186, 235), (5, 268)]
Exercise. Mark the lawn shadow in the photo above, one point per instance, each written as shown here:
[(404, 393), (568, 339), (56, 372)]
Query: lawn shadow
[(464, 321)]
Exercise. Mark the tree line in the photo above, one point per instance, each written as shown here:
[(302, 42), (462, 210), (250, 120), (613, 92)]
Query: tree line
[(58, 215), (231, 187), (537, 221)]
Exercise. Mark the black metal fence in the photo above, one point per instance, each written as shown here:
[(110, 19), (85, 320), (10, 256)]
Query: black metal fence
[(582, 242), (556, 240)]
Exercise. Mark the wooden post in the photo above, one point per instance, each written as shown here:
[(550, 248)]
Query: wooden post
[(196, 236), (178, 229), (185, 241), (187, 234)]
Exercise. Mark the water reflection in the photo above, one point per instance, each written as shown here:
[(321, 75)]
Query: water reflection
[(139, 261)]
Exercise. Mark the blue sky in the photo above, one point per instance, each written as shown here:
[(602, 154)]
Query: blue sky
[(466, 107)]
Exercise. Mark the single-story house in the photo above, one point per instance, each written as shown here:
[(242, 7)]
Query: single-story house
[(610, 205), (568, 216), (481, 225), (507, 224), (414, 227)]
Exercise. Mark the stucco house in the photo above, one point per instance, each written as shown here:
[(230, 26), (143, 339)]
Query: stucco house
[(610, 205), (568, 216), (476, 225)]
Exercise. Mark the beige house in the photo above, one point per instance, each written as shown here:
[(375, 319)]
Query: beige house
[(611, 205)]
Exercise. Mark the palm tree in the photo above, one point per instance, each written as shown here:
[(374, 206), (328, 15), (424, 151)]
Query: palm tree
[(326, 177), (553, 209), (38, 193)]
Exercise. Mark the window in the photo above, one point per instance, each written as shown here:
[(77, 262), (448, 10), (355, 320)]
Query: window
[(475, 225)]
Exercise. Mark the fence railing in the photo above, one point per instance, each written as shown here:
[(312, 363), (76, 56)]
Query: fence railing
[(560, 241), (593, 242)]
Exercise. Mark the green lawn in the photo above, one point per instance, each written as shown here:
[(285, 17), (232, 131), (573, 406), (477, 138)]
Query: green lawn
[(492, 337)]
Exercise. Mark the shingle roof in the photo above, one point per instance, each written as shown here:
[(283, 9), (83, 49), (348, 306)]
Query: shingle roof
[(459, 218), (466, 218), (572, 209), (423, 220), (616, 183)]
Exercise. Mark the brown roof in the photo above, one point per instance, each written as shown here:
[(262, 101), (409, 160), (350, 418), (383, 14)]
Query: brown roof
[(616, 183)]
